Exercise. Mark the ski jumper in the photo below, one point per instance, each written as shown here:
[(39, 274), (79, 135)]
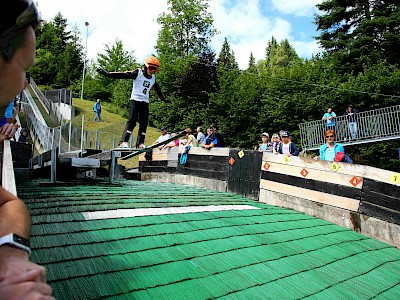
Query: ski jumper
[(139, 104)]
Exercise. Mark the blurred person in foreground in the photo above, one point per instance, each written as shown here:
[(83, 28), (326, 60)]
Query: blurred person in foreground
[(19, 277)]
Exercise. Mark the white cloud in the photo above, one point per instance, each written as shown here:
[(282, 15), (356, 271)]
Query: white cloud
[(306, 49), (130, 21), (135, 23), (299, 8), (247, 30)]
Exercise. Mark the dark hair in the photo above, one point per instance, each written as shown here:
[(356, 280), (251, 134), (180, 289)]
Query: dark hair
[(214, 126), (14, 22)]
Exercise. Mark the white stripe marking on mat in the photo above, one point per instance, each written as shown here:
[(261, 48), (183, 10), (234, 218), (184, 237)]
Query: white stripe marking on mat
[(128, 213)]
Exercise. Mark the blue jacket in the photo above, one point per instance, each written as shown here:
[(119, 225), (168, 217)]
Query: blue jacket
[(337, 148), (292, 149), (97, 107)]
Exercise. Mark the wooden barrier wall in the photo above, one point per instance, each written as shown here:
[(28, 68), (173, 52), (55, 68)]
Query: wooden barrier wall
[(363, 198), (235, 173)]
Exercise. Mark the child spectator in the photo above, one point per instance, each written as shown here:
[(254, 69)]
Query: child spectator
[(287, 147), (266, 145), (275, 142), (191, 139)]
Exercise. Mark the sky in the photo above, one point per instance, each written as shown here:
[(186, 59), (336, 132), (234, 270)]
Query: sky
[(247, 24)]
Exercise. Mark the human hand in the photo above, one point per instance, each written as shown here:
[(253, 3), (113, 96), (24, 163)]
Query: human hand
[(24, 286), (14, 261), (103, 72), (21, 278), (7, 131)]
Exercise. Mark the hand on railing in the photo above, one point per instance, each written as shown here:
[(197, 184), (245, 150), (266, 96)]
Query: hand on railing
[(7, 131)]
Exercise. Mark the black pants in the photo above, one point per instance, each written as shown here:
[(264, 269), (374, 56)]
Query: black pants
[(138, 109)]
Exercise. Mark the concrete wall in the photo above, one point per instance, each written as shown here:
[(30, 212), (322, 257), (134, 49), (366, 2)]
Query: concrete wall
[(65, 110), (369, 226)]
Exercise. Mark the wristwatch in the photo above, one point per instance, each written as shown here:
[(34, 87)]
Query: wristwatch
[(15, 240)]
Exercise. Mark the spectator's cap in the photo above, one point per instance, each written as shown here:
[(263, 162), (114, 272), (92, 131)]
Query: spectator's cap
[(19, 15), (23, 130), (163, 128), (265, 134), (350, 105), (285, 133)]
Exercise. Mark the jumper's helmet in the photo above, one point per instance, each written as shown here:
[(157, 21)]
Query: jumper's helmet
[(152, 63)]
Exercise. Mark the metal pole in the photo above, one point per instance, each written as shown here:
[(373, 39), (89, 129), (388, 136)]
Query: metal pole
[(96, 142), (69, 136), (59, 142), (52, 138), (84, 61), (112, 167), (83, 124), (53, 165)]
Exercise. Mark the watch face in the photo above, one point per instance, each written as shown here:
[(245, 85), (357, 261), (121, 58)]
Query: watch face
[(20, 240)]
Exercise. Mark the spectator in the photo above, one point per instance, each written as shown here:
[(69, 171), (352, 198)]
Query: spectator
[(266, 145), (329, 150), (172, 144), (287, 147), (7, 126), (211, 140), (191, 139), (9, 115), (218, 136), (163, 137), (97, 111), (350, 113), (275, 142), (19, 277), (22, 136), (329, 116), (200, 136), (190, 142)]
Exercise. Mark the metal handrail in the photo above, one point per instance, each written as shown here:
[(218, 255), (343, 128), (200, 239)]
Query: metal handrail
[(48, 105), (7, 169), (372, 126)]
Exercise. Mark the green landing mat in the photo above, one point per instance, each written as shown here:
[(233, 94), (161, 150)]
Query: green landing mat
[(265, 253)]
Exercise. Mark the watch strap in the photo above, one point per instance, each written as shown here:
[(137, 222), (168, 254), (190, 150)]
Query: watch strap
[(17, 241)]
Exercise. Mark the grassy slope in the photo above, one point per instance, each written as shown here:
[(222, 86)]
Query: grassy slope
[(112, 125)]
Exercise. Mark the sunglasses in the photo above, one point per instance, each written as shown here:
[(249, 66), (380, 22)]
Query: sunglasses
[(152, 68), (329, 136), (29, 17)]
